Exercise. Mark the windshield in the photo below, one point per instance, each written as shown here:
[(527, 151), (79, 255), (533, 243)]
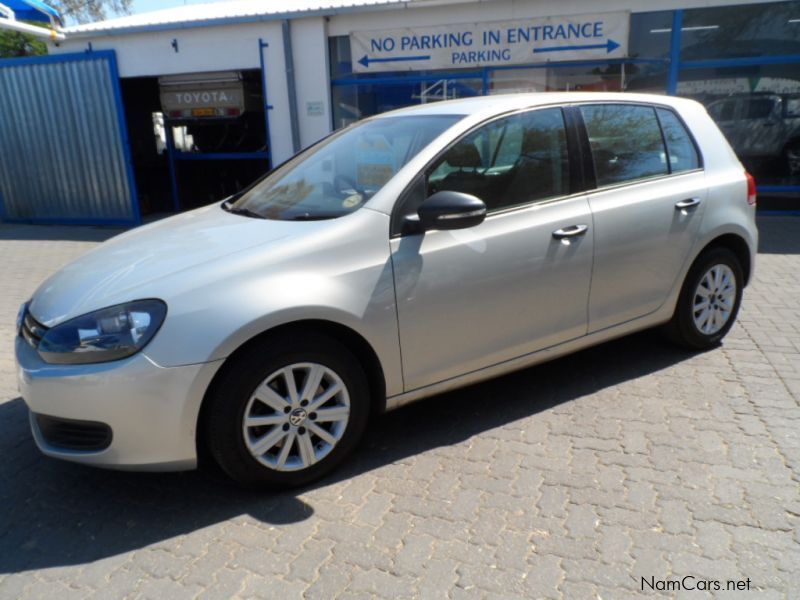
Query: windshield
[(337, 176)]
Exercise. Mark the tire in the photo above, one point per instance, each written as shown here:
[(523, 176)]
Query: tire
[(792, 158), (254, 384), (703, 333)]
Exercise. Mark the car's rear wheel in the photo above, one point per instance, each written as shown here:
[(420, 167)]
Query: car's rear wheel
[(709, 300), (792, 157), (287, 411)]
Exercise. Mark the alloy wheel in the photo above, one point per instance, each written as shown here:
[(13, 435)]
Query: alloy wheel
[(714, 299), (296, 416)]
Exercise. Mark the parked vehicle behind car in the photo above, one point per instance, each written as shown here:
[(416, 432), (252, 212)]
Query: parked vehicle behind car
[(763, 129), (409, 254)]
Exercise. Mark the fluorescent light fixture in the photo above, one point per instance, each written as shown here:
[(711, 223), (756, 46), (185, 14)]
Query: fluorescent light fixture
[(694, 28), (793, 21)]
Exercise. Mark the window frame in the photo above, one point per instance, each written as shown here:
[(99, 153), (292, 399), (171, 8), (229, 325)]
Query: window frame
[(590, 166), (577, 170)]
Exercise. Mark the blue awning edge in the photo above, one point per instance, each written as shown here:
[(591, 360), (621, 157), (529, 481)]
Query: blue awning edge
[(33, 10)]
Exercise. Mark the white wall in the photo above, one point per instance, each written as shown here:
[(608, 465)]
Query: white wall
[(312, 79), (199, 49)]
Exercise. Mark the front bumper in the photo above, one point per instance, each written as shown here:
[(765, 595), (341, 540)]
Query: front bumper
[(151, 410)]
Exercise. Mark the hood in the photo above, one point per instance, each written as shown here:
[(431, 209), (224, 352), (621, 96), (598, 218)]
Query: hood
[(110, 273)]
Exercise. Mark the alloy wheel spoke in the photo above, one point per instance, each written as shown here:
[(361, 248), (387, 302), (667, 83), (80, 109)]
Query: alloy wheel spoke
[(313, 379), (337, 413), (714, 321), (287, 448), (703, 290), (701, 305), (321, 433), (717, 277), (306, 449), (261, 421), (291, 386), (271, 398), (268, 441), (325, 396)]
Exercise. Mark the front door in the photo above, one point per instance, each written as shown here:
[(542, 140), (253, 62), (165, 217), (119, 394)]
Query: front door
[(516, 283)]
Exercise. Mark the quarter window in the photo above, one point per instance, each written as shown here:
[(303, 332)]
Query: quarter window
[(680, 148), (511, 161), (626, 142)]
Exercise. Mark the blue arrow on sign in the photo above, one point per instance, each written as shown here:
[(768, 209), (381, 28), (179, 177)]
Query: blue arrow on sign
[(610, 46), (365, 60)]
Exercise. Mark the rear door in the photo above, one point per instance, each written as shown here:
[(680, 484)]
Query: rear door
[(762, 126), (726, 114), (647, 206)]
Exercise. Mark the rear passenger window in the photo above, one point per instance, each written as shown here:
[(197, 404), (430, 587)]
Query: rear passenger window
[(681, 151), (626, 142)]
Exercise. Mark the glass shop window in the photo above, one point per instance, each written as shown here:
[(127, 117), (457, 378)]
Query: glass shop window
[(765, 29)]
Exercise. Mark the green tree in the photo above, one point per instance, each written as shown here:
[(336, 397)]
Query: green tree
[(85, 11), (14, 44)]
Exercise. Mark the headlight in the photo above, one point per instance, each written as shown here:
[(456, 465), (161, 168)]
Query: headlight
[(104, 335), (21, 315)]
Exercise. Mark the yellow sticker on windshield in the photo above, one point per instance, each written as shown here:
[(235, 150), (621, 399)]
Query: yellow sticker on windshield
[(352, 201)]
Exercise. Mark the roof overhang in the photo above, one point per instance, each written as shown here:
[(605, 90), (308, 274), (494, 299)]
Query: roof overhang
[(193, 16)]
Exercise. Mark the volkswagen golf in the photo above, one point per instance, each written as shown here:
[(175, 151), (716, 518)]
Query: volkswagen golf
[(408, 254)]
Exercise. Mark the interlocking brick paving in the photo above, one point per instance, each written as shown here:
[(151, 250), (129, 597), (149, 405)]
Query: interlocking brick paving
[(573, 479)]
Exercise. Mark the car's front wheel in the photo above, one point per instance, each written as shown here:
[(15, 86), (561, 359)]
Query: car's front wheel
[(287, 411), (709, 300)]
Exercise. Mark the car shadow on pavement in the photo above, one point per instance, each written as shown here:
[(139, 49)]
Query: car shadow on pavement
[(57, 514)]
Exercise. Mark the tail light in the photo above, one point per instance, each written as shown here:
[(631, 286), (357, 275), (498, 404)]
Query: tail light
[(751, 189)]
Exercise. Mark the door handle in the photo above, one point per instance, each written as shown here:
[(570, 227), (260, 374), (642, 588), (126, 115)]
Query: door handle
[(684, 204), (571, 231)]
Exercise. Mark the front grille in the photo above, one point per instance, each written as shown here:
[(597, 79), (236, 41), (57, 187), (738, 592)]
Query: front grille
[(32, 331), (69, 434)]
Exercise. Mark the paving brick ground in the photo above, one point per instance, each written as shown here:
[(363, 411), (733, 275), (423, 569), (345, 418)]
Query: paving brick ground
[(573, 479)]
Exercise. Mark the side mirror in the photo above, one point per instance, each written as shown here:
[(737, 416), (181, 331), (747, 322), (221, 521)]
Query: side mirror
[(451, 210)]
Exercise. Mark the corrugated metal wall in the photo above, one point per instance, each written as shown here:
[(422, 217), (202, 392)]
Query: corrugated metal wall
[(63, 153)]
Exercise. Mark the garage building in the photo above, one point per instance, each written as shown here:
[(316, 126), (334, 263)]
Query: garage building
[(170, 110)]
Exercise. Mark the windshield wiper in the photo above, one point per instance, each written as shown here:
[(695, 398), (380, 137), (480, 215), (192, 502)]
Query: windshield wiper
[(227, 206), (314, 217)]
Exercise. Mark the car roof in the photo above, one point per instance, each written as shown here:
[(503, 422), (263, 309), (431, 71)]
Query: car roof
[(497, 104)]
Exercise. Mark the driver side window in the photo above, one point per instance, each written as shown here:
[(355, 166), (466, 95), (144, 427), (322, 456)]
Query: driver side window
[(508, 162)]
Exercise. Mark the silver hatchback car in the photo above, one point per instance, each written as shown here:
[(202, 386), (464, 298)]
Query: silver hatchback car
[(408, 254)]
